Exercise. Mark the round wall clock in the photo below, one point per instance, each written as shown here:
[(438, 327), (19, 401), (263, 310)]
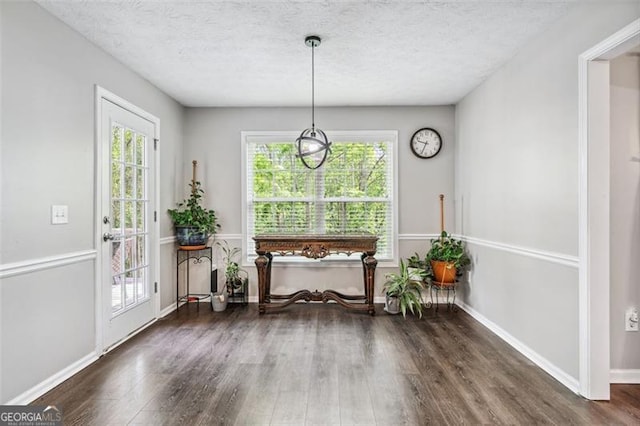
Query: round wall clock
[(426, 143)]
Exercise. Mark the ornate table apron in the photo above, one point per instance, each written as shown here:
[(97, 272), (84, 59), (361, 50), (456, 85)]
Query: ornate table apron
[(315, 247)]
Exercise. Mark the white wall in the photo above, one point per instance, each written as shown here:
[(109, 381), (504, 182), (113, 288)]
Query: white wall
[(212, 136), (625, 207), (517, 187), (47, 114)]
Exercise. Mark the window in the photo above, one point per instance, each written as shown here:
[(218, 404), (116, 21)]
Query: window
[(353, 192)]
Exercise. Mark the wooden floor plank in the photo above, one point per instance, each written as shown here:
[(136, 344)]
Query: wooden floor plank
[(319, 364)]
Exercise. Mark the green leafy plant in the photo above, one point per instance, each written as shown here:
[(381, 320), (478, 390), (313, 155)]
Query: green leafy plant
[(448, 249), (191, 213), (230, 258), (415, 261), (406, 288)]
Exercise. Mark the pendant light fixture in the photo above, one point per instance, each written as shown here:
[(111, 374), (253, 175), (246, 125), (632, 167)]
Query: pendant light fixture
[(312, 144)]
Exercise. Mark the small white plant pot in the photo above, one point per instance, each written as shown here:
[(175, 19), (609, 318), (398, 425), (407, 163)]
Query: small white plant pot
[(219, 301)]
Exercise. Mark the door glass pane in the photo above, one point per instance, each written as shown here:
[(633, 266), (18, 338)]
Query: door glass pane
[(140, 143), (140, 183), (116, 142), (116, 222), (128, 218), (128, 146), (115, 180), (128, 258), (116, 293), (129, 182), (140, 216), (130, 283), (129, 213), (116, 258), (141, 288), (142, 256)]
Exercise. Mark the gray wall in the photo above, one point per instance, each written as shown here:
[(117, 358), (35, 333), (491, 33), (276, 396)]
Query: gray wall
[(625, 207), (47, 114), (212, 136), (517, 185)]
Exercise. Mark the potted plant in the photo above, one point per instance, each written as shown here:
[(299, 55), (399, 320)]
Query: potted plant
[(403, 292), (194, 224), (236, 278), (447, 257), (219, 301), (417, 267)]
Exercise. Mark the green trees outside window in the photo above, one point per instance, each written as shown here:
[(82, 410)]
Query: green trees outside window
[(351, 193)]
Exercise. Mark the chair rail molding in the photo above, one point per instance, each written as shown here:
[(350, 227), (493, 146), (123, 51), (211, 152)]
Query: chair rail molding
[(549, 256), (38, 264)]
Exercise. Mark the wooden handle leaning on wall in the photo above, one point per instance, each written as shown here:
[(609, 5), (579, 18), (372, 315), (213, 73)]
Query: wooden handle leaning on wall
[(441, 213), (193, 179)]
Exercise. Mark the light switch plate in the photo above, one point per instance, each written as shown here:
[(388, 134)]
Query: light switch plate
[(59, 215), (631, 320)]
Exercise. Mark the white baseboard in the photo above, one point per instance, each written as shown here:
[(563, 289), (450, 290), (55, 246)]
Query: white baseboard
[(532, 355), (631, 377), (166, 311), (53, 381)]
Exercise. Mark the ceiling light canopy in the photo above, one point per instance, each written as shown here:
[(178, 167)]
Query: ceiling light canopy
[(312, 144)]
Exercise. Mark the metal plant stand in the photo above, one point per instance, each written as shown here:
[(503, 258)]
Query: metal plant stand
[(197, 257), (437, 287)]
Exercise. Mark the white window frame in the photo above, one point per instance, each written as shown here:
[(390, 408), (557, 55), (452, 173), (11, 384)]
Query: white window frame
[(359, 135)]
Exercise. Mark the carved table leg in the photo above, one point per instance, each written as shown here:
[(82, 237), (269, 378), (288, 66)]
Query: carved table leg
[(369, 265), (267, 294), (262, 263)]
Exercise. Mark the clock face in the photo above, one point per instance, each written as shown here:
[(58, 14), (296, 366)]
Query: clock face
[(426, 143)]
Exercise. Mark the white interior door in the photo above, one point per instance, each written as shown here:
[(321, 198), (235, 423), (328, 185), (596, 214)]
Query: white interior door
[(128, 173)]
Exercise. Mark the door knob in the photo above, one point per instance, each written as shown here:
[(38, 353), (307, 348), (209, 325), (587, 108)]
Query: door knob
[(107, 236)]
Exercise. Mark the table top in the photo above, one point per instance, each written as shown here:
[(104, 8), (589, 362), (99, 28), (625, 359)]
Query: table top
[(315, 246), (315, 237)]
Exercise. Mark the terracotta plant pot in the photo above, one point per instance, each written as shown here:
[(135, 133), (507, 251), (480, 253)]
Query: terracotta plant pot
[(443, 272)]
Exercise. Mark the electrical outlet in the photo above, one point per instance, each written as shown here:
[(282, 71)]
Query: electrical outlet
[(631, 319)]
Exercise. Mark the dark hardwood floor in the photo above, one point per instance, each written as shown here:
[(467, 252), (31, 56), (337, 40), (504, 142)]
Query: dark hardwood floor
[(319, 364)]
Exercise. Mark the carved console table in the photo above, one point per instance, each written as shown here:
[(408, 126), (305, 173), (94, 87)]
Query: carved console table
[(315, 247)]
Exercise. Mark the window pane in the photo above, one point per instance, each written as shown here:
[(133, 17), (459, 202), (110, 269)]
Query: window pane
[(351, 193), (284, 217)]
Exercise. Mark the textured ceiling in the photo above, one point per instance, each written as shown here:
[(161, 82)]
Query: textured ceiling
[(252, 53)]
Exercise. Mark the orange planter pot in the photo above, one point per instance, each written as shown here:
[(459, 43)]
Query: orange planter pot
[(443, 272)]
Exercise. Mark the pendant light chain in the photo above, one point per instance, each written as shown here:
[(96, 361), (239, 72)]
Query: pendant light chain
[(313, 87)]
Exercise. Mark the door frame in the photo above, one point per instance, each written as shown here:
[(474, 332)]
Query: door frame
[(100, 94), (593, 225)]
